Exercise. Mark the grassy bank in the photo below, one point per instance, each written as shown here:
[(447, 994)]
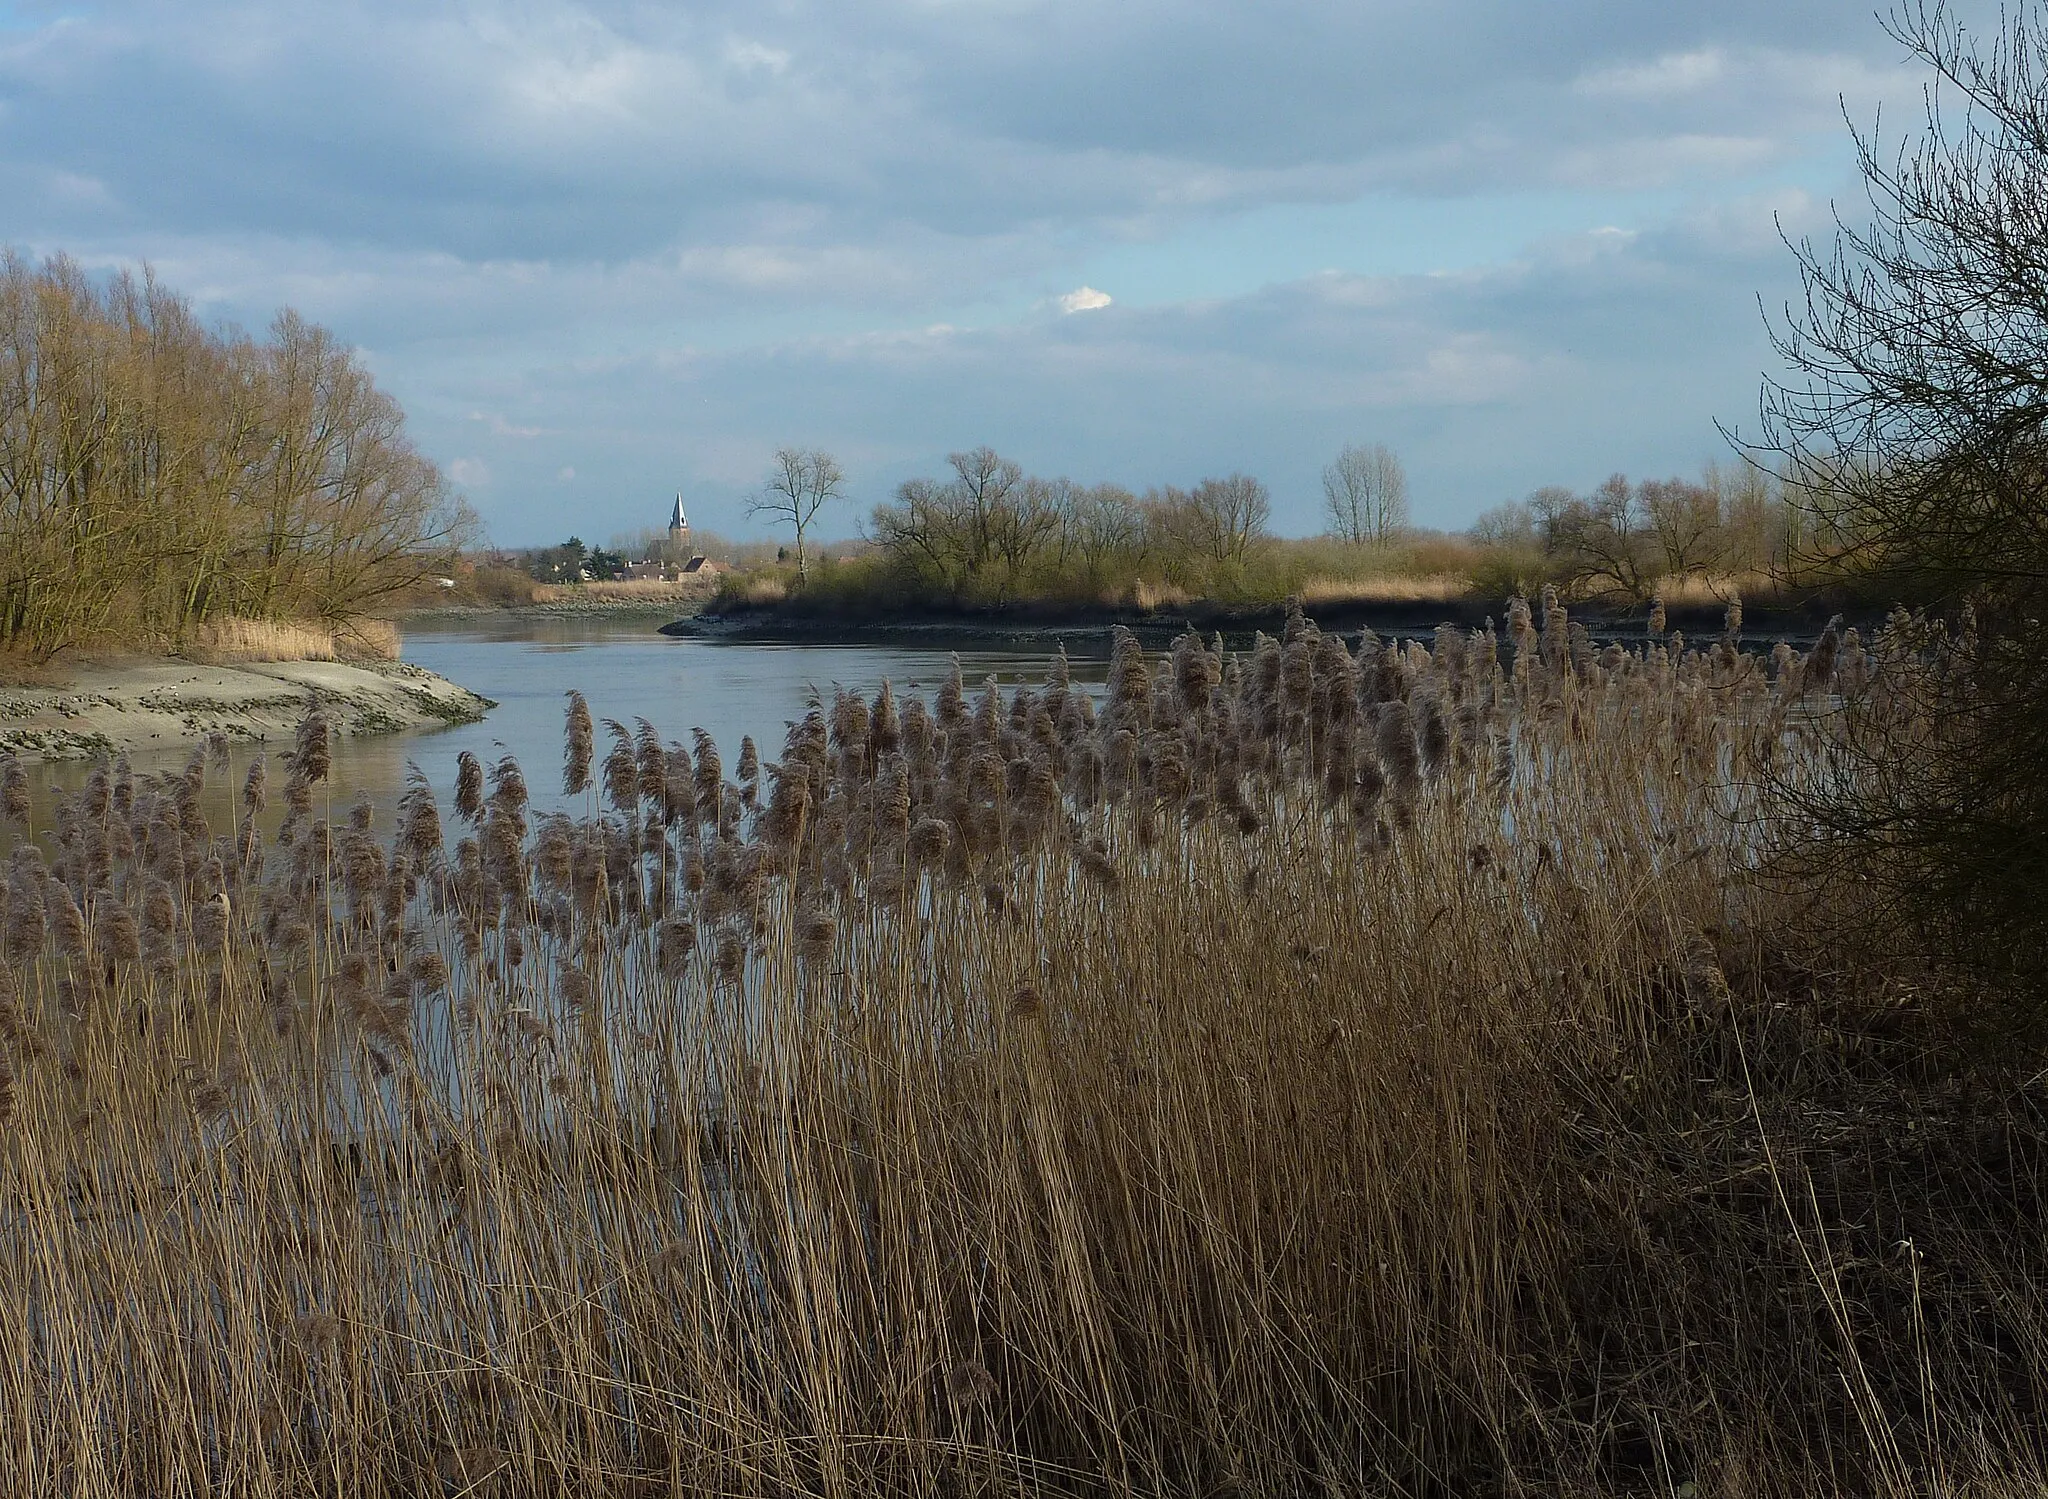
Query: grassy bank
[(1430, 578), (502, 589), (1316, 1071), (862, 602)]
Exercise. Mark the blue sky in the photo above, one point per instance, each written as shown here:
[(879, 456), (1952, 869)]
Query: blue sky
[(603, 251)]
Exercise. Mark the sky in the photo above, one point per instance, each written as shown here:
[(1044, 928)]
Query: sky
[(604, 252)]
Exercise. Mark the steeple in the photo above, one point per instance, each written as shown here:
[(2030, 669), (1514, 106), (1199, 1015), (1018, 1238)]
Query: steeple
[(679, 534)]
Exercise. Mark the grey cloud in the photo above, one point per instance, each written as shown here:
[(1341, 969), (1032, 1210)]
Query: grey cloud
[(565, 132)]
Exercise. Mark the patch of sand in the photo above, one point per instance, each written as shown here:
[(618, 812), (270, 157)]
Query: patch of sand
[(124, 705)]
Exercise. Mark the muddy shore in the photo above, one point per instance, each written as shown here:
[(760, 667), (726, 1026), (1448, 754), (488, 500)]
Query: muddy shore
[(164, 703), (1090, 629)]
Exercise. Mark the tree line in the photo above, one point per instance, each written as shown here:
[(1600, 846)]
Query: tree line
[(1627, 542), (987, 533), (156, 473)]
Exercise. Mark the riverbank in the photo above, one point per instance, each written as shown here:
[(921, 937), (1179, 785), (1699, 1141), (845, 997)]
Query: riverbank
[(161, 703), (555, 601), (1087, 626)]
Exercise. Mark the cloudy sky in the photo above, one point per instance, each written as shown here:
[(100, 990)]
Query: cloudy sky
[(602, 251)]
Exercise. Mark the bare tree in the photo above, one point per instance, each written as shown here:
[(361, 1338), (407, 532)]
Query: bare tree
[(155, 475), (1366, 493), (1684, 519), (1913, 433), (1102, 531), (1210, 528), (803, 482), (972, 534), (1605, 544), (1512, 523)]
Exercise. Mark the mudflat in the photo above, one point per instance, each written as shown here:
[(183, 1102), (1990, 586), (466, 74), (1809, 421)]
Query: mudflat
[(161, 703)]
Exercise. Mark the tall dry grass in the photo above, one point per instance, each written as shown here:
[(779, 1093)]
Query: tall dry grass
[(230, 638), (1326, 1070), (1386, 588), (629, 591)]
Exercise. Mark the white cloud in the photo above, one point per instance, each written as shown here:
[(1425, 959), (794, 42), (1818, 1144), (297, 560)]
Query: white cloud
[(1660, 78), (1639, 162), (84, 191), (502, 428), (1084, 299), (566, 473), (470, 472), (755, 57)]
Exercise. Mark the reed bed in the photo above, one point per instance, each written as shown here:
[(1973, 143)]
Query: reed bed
[(650, 591), (232, 638), (1345, 1067), (1385, 588)]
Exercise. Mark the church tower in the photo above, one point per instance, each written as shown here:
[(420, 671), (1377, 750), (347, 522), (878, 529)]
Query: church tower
[(679, 533)]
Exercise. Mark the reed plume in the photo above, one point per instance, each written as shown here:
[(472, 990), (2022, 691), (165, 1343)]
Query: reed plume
[(1394, 737), (469, 787), (311, 755), (1323, 1069), (419, 816), (67, 922), (652, 762), (26, 919), (621, 769), (1818, 672), (577, 746), (14, 797)]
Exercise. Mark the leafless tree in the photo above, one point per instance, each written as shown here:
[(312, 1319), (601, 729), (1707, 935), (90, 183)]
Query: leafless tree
[(1913, 428), (155, 474), (1214, 524), (802, 482), (969, 534), (1366, 493), (1604, 543), (1103, 532), (1685, 523)]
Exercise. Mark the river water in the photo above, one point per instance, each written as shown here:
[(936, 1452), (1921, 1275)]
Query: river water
[(627, 670)]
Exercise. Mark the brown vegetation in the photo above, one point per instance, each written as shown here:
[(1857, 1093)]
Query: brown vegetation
[(1330, 1069), (155, 475), (229, 639), (992, 537), (637, 591)]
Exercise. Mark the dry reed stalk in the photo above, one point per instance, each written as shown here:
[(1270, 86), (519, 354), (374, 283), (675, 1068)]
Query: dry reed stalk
[(983, 1111)]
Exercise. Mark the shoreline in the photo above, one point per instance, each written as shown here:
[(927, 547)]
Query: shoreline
[(1091, 628), (167, 702), (569, 609), (661, 600)]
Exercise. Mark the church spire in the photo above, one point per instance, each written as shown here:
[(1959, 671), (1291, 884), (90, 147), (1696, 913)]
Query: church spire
[(679, 521)]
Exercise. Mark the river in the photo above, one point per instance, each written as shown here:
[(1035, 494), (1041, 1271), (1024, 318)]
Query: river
[(627, 670)]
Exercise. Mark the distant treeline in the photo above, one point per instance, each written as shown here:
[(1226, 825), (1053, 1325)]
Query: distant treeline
[(988, 535), (156, 474)]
